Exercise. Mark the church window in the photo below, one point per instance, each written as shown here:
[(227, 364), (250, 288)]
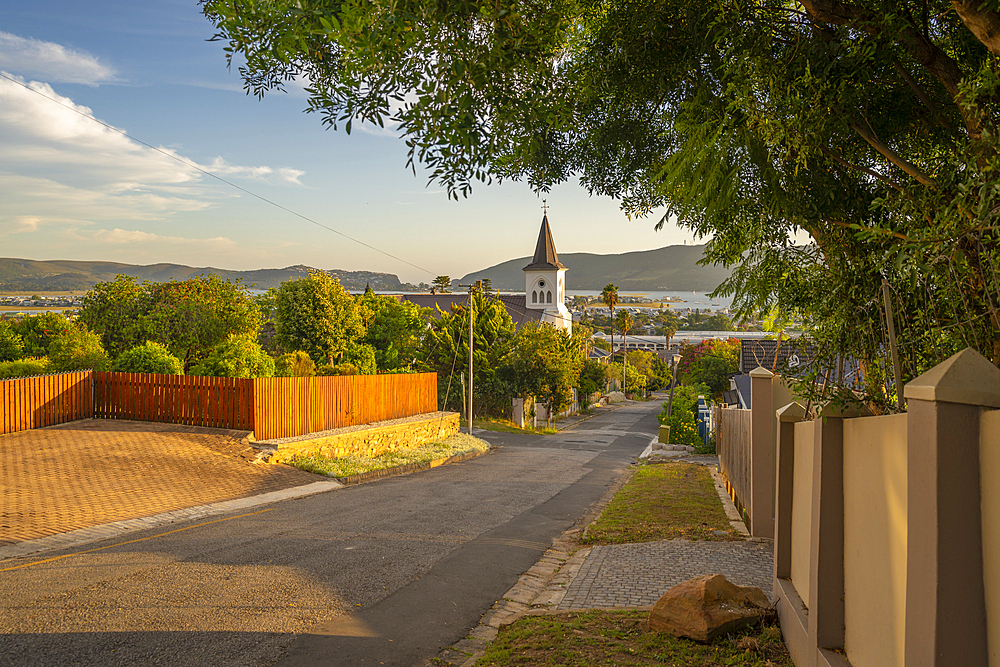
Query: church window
[(549, 297), (534, 297)]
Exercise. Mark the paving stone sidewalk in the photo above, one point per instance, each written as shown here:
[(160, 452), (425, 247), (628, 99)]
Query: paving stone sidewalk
[(636, 575), (98, 471)]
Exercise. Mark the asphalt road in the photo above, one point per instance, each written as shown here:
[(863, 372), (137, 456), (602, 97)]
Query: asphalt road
[(385, 573)]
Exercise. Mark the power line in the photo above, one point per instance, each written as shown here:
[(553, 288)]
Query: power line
[(216, 177)]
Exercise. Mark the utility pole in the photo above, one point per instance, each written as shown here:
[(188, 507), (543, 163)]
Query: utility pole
[(673, 383), (471, 289)]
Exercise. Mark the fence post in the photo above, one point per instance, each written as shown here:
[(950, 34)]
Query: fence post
[(826, 559), (945, 597), (761, 505), (787, 416)]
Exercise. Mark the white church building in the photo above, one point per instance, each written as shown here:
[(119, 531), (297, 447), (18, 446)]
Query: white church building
[(544, 298), (545, 282)]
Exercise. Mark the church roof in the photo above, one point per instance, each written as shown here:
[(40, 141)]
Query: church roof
[(515, 304), (545, 250)]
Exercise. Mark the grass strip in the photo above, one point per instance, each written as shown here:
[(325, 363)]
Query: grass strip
[(621, 638), (663, 502), (459, 443)]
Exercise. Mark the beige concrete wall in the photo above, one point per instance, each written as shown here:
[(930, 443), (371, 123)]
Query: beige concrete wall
[(989, 470), (875, 540), (802, 508), (374, 439)]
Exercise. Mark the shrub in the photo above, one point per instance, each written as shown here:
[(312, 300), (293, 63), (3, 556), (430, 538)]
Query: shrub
[(294, 364), (148, 358), (239, 356), (77, 349), (23, 368), (11, 345)]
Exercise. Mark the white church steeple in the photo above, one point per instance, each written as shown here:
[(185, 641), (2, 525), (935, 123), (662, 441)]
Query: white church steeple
[(545, 281)]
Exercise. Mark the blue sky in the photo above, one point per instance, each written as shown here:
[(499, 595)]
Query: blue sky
[(73, 189)]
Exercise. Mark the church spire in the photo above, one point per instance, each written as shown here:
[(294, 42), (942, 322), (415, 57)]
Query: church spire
[(545, 250)]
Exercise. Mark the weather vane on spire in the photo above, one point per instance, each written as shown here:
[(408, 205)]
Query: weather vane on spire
[(545, 208)]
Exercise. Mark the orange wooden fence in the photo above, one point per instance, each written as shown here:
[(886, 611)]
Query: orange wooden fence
[(44, 401), (175, 399), (286, 407), (270, 407)]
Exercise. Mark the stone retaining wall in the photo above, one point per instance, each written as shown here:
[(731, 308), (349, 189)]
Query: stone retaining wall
[(373, 439)]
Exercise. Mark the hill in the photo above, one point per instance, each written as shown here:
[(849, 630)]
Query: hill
[(68, 275), (670, 268)]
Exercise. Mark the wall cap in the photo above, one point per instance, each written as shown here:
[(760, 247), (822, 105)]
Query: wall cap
[(793, 412), (761, 372), (966, 377)]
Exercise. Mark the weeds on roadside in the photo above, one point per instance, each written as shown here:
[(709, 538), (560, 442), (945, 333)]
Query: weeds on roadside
[(459, 443), (662, 502), (609, 637)]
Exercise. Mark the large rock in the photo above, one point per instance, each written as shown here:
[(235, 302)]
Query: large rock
[(706, 607)]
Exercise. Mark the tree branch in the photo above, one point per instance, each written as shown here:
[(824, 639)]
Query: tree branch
[(871, 172), (891, 155)]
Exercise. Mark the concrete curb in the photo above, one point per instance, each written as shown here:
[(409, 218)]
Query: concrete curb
[(538, 591), (75, 538), (733, 514), (82, 536)]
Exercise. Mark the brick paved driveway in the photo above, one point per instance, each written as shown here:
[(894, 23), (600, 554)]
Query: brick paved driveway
[(96, 471)]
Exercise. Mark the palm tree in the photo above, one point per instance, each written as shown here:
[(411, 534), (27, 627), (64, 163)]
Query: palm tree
[(609, 295)]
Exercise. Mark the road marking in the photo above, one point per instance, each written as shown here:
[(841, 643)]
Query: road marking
[(141, 539)]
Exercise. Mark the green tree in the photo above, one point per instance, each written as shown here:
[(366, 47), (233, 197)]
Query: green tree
[(239, 356), (38, 331), (593, 377), (393, 329), (872, 127), (189, 317), (294, 364), (11, 345), (315, 314), (445, 350), (77, 349), (192, 317), (609, 295), (709, 364), (441, 284), (116, 309), (149, 357), (545, 364), (717, 322), (27, 367)]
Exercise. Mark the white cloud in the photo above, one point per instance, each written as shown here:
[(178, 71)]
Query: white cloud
[(74, 170), (52, 62), (135, 237), (285, 174)]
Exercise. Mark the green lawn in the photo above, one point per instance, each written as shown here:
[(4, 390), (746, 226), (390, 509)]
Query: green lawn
[(662, 502)]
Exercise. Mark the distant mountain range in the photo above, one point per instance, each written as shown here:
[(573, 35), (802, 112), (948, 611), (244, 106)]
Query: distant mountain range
[(30, 275), (670, 268)]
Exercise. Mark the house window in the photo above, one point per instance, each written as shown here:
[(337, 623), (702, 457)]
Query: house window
[(534, 297), (549, 297)]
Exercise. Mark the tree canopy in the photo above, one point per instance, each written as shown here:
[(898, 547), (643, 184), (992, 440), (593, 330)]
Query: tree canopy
[(872, 127)]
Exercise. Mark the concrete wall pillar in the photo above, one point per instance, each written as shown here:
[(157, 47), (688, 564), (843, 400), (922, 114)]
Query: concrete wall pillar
[(945, 599), (826, 577), (762, 422), (787, 417)]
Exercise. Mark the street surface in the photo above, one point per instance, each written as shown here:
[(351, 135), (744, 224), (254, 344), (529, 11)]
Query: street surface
[(384, 573)]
